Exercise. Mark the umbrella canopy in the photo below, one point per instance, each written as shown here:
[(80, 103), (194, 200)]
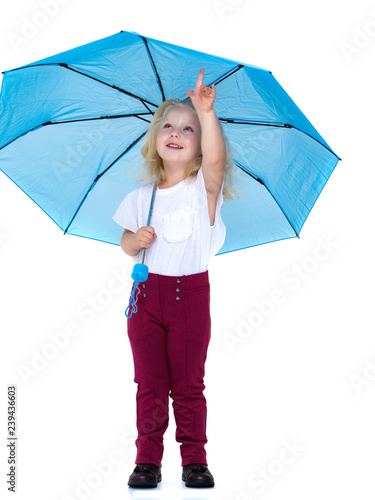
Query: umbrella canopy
[(71, 130)]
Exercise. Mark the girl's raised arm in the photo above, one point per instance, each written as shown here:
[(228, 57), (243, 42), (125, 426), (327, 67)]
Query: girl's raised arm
[(212, 141)]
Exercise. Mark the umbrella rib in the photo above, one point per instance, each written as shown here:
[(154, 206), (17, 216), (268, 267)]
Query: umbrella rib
[(64, 65), (24, 133), (263, 184), (280, 125), (137, 115), (109, 85), (99, 176), (153, 64), (227, 75), (285, 125), (220, 79)]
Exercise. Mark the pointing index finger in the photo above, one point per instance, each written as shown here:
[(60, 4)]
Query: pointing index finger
[(199, 80)]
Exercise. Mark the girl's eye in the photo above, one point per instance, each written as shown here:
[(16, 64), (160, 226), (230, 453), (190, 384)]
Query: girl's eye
[(169, 125)]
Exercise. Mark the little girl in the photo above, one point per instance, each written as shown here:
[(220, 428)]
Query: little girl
[(169, 332)]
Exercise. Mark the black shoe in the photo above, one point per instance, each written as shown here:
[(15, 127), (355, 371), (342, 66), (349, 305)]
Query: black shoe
[(145, 476), (197, 475)]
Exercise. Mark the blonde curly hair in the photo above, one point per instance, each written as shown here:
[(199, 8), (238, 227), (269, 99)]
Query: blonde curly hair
[(153, 164)]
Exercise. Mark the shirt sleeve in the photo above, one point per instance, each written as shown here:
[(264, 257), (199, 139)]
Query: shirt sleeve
[(127, 213)]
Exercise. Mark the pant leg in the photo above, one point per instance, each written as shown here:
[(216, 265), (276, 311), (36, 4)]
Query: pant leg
[(188, 322), (148, 343)]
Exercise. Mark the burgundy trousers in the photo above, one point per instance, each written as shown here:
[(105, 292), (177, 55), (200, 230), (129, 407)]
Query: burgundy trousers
[(169, 333)]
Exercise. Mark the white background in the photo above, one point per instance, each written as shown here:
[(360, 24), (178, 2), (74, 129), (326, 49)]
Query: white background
[(304, 376)]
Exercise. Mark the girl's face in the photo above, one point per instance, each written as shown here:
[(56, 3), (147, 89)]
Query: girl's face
[(180, 127)]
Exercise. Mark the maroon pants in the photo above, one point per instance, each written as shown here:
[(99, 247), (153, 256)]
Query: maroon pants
[(169, 333)]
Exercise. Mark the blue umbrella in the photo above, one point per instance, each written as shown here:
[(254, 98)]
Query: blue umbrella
[(71, 130)]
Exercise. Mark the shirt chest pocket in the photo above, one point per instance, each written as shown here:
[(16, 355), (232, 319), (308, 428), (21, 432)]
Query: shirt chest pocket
[(178, 225)]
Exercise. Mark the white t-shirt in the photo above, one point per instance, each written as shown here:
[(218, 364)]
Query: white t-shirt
[(186, 242)]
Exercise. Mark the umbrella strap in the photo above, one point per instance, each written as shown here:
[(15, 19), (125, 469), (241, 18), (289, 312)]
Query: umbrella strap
[(134, 308), (140, 271)]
